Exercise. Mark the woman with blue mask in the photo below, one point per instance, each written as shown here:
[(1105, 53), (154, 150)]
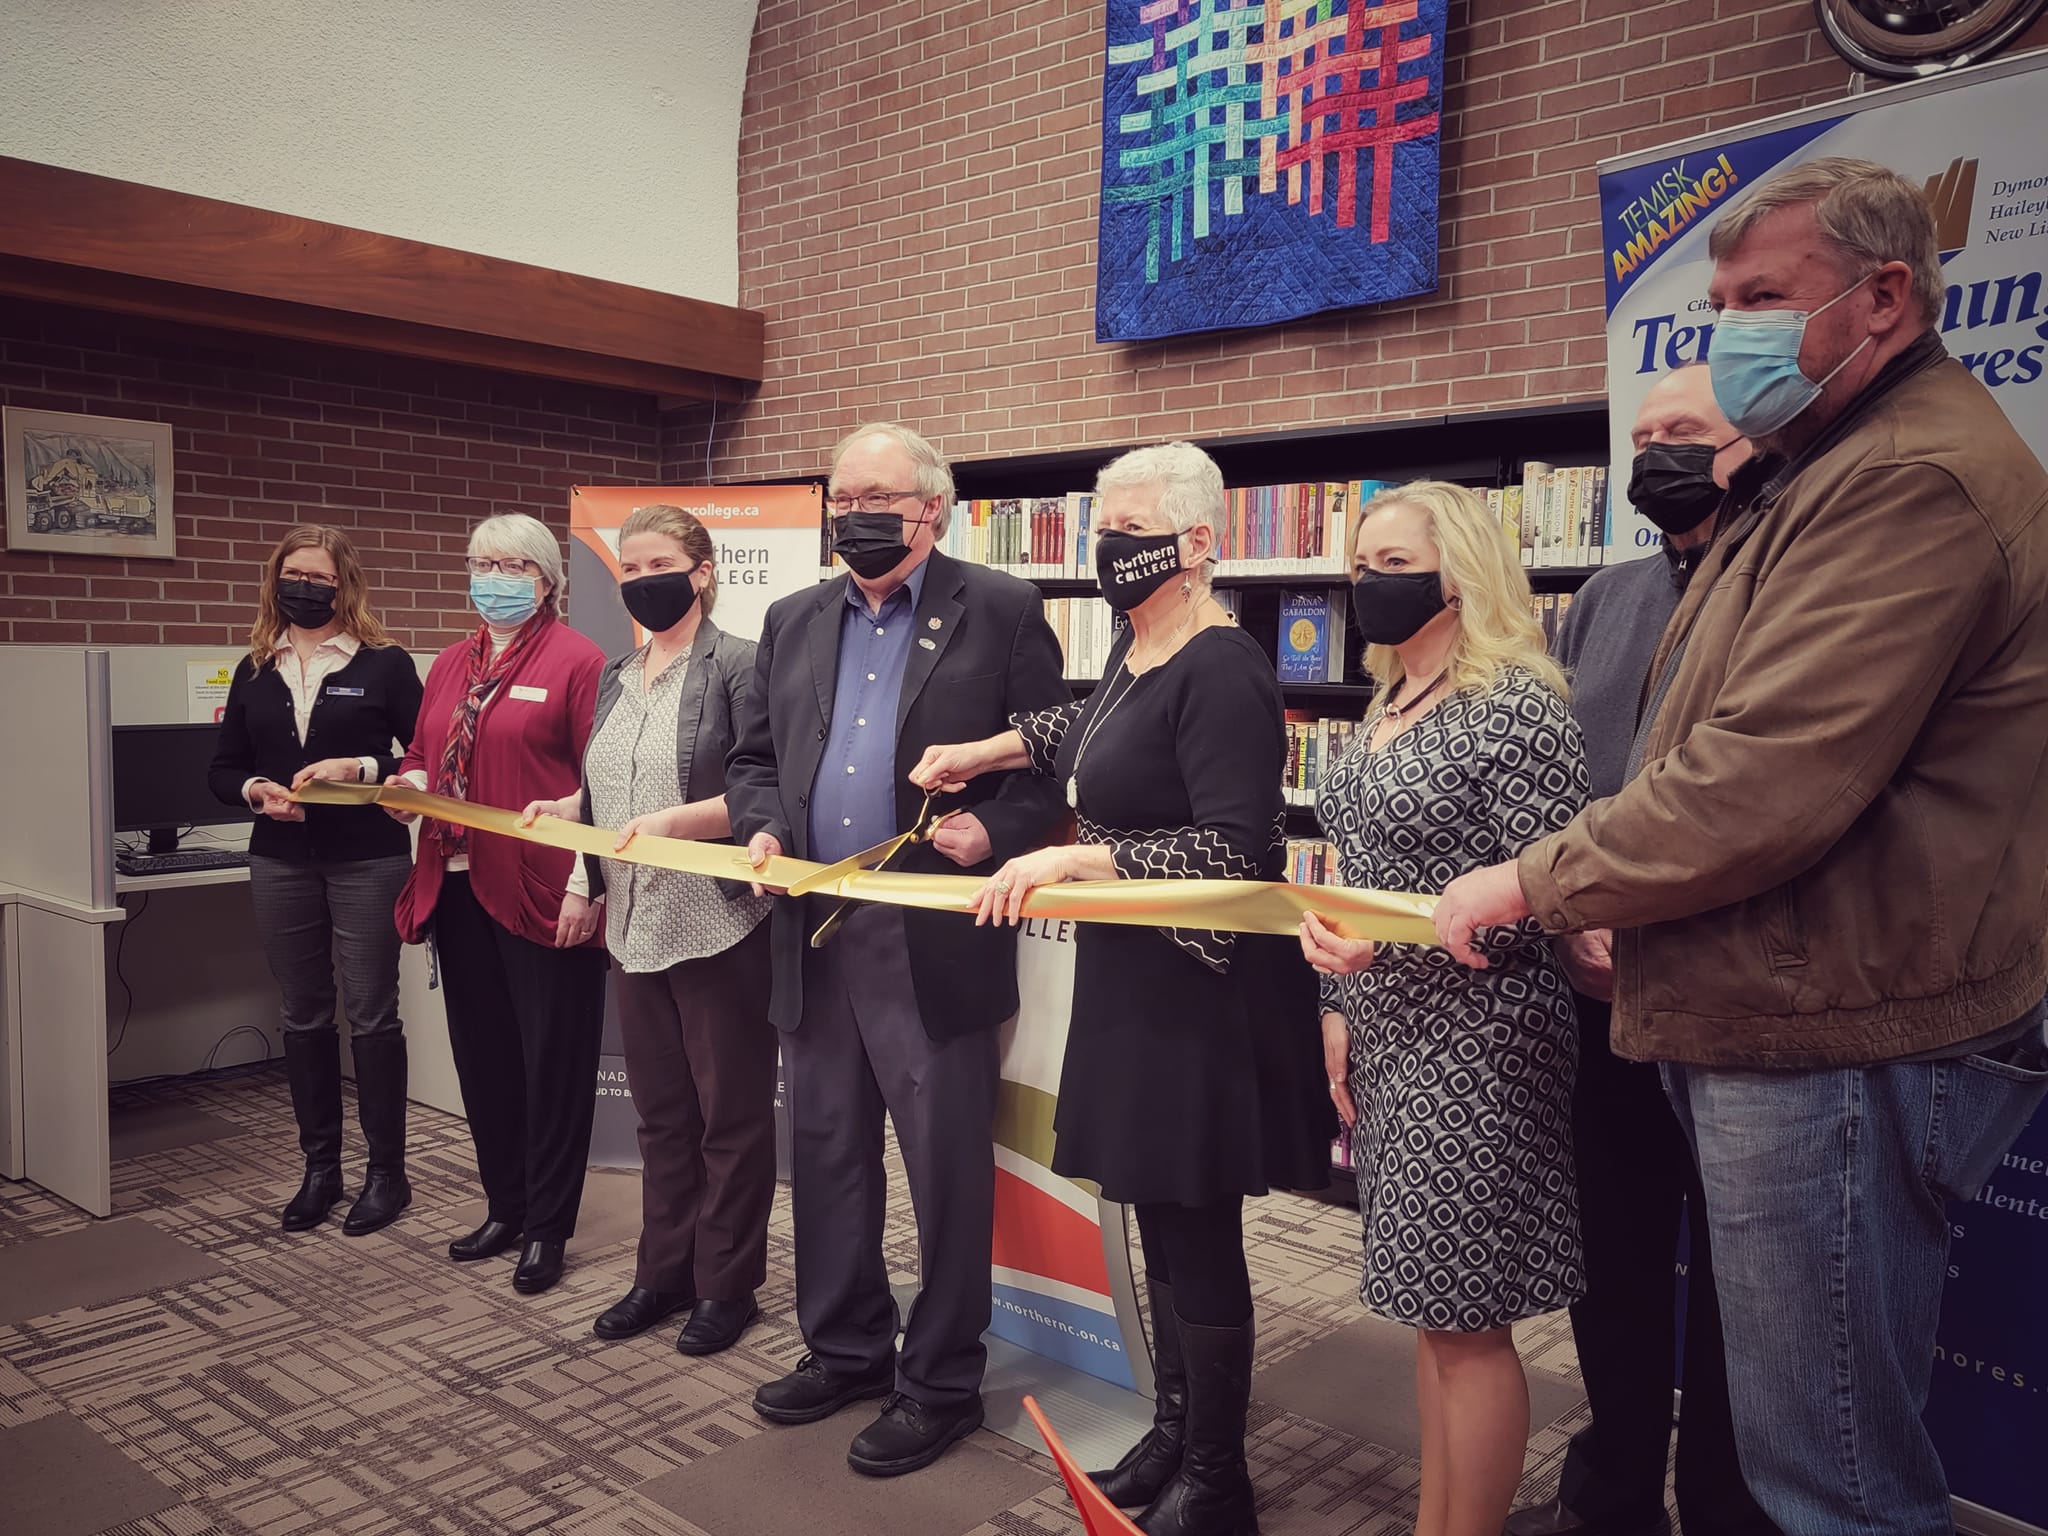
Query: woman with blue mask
[(505, 721)]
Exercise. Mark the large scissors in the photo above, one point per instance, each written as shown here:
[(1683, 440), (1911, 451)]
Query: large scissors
[(928, 821)]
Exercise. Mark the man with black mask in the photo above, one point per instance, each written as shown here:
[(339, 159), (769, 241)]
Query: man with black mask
[(898, 1010), (1636, 1174)]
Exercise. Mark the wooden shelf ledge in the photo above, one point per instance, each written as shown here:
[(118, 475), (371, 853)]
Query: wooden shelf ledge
[(70, 237)]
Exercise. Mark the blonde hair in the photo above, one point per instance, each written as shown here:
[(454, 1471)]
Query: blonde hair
[(1496, 630), (1868, 214), (351, 594), (929, 469), (686, 530)]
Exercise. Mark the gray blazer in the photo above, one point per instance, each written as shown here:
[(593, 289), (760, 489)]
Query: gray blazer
[(720, 670)]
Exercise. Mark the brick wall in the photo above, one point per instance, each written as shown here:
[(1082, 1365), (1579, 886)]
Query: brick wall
[(917, 218), (405, 456)]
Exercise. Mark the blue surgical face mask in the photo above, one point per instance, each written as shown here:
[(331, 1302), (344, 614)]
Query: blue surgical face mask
[(1754, 363), (505, 601)]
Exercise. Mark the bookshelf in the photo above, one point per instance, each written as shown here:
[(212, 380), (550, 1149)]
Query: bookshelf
[(1483, 450)]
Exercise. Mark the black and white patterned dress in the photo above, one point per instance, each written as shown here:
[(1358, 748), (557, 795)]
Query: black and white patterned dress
[(1191, 1067), (1462, 1078)]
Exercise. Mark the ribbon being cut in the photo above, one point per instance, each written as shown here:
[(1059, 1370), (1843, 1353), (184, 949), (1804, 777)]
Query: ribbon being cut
[(1241, 906)]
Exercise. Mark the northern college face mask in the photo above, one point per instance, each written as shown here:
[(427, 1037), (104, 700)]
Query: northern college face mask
[(871, 543), (1389, 607), (660, 602), (1754, 363), (1130, 567)]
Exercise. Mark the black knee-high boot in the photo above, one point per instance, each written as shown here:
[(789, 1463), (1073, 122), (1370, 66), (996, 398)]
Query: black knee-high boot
[(1211, 1494), (380, 1102), (1137, 1480), (312, 1065)]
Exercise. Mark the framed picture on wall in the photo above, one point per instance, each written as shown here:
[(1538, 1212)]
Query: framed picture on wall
[(88, 485)]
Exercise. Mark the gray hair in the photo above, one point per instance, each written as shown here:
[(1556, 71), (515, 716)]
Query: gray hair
[(514, 533), (1867, 213), (930, 473), (1190, 485)]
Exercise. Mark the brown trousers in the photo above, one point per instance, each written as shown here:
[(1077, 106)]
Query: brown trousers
[(700, 1059)]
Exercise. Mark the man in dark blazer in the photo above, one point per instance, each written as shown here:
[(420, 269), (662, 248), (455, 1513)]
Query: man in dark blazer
[(899, 1011)]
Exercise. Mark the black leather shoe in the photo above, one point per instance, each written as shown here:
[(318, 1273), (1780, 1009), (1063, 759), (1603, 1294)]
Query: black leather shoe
[(639, 1310), (385, 1195), (909, 1435), (716, 1325), (1557, 1519), (811, 1392), (540, 1266), (316, 1197), (486, 1242)]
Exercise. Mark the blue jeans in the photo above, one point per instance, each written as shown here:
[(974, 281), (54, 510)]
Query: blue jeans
[(1826, 1199)]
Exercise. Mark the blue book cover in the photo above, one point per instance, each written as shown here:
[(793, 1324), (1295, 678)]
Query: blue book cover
[(1311, 630)]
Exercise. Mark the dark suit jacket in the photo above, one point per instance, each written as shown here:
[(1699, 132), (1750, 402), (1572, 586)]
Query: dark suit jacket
[(721, 667), (992, 656)]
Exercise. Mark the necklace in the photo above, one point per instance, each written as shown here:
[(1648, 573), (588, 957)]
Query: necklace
[(1394, 711), (1095, 725), (1166, 645)]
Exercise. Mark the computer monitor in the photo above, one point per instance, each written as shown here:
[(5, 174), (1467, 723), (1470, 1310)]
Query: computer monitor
[(160, 782)]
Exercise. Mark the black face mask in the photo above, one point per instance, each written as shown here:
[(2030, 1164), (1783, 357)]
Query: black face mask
[(871, 543), (1672, 484), (1130, 567), (1389, 607), (662, 601), (306, 604)]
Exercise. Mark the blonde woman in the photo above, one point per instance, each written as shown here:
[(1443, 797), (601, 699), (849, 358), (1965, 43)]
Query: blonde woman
[(1457, 1083), (324, 694)]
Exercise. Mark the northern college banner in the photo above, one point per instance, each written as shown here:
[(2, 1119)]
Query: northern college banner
[(1972, 139)]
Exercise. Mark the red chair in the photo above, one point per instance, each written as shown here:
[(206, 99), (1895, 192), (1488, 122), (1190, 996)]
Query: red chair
[(1099, 1517)]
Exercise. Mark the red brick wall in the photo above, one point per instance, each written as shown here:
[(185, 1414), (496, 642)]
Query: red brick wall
[(917, 219), (405, 456)]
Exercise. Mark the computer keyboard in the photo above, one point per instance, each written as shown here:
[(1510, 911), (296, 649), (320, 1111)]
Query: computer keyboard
[(182, 861)]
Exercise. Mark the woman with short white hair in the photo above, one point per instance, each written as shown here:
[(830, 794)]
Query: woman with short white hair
[(1190, 1079), (506, 717)]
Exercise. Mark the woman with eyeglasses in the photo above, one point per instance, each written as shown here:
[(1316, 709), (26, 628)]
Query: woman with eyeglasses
[(505, 721), (690, 963), (325, 694)]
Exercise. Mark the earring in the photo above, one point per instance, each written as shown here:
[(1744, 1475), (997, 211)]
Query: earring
[(1187, 588)]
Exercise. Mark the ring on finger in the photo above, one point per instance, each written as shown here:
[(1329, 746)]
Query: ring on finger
[(1003, 886)]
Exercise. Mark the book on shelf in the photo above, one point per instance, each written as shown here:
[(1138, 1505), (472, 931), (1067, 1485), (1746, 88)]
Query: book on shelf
[(1557, 516), (1310, 645), (1311, 861), (1315, 743), (1549, 610)]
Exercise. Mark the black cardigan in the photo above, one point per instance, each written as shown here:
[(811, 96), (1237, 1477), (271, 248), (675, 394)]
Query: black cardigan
[(360, 711)]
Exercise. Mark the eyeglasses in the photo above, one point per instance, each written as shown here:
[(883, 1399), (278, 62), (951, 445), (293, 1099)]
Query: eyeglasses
[(317, 578), (870, 501), (511, 565)]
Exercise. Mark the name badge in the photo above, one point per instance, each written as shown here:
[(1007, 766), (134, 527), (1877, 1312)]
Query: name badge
[(344, 693), (530, 694)]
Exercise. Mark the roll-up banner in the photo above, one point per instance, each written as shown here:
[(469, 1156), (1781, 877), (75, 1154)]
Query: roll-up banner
[(1974, 140)]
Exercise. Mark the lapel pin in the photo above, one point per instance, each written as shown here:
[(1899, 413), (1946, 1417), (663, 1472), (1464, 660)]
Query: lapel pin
[(928, 645), (935, 623)]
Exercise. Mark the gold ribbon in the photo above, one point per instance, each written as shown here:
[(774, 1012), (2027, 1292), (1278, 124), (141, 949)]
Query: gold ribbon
[(1240, 906)]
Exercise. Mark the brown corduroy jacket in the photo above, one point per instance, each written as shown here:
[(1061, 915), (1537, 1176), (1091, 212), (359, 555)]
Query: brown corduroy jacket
[(1836, 851)]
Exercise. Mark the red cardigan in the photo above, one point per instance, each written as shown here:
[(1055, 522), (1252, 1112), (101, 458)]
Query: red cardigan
[(529, 746)]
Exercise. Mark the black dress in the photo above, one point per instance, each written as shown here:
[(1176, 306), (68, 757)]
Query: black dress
[(1192, 1070)]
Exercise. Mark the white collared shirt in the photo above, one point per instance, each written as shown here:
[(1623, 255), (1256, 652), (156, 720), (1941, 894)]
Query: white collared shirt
[(303, 678)]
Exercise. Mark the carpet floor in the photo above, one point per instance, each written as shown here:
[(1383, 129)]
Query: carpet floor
[(201, 1372)]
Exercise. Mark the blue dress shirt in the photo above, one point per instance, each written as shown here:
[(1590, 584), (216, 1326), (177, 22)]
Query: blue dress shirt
[(853, 798)]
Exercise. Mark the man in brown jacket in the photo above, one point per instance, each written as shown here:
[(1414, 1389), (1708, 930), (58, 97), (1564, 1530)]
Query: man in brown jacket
[(1826, 865)]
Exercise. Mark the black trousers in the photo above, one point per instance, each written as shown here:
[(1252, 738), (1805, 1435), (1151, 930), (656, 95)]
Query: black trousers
[(525, 1023), (1636, 1183)]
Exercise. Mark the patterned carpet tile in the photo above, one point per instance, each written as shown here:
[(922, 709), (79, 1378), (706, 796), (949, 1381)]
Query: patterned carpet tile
[(318, 1384)]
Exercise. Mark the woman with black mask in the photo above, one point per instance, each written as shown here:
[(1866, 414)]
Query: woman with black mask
[(325, 694), (690, 959), (1190, 1075)]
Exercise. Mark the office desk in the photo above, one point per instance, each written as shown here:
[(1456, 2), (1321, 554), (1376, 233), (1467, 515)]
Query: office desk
[(143, 885)]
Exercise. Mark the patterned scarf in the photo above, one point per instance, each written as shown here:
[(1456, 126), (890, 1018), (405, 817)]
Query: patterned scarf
[(486, 674)]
